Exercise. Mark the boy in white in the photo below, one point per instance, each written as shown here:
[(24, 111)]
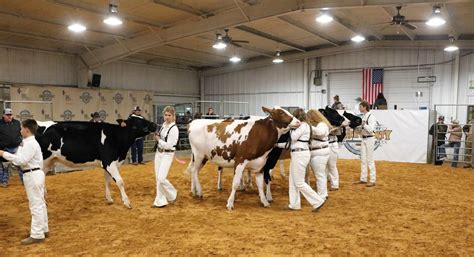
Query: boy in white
[(167, 139), (367, 146), (30, 159)]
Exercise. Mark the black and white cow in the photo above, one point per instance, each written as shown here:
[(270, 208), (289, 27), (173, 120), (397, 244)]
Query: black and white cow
[(79, 143)]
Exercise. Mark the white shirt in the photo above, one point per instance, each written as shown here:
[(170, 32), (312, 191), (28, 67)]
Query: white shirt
[(320, 135), (301, 133), (173, 136), (28, 156), (368, 124)]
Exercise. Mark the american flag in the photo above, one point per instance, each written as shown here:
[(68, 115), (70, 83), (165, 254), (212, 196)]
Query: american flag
[(372, 84)]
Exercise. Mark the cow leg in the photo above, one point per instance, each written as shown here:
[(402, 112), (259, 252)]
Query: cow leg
[(115, 174), (248, 180), (260, 182), (282, 168), (268, 194), (219, 178), (239, 169), (108, 194), (194, 166)]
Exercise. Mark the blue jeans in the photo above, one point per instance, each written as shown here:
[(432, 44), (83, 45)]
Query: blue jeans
[(4, 174), (456, 146), (137, 150)]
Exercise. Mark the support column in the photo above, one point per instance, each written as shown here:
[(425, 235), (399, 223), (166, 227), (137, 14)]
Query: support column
[(201, 91), (455, 97), (305, 85)]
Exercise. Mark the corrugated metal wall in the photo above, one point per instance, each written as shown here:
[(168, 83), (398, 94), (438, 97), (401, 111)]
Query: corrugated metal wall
[(267, 86), (35, 67), (283, 84)]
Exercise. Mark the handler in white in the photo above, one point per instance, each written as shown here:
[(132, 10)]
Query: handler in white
[(367, 146), (319, 147), (300, 157), (167, 139), (30, 160), (332, 170)]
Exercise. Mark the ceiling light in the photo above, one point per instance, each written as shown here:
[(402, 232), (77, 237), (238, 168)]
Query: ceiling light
[(277, 58), (324, 18), (325, 9), (219, 44), (76, 27), (358, 38), (113, 19), (451, 47), (436, 19), (235, 59)]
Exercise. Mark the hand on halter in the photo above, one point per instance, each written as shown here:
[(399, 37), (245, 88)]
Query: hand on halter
[(1, 153), (157, 137)]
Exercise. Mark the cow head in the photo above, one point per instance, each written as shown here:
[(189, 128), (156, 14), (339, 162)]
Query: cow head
[(282, 119), (139, 125)]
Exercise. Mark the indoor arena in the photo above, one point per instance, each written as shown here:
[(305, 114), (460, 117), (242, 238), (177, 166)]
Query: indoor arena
[(236, 127)]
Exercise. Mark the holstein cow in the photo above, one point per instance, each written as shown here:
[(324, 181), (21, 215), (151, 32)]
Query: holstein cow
[(77, 143), (239, 144)]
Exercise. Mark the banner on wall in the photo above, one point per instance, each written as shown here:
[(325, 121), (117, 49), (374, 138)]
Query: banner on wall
[(64, 103), (401, 136)]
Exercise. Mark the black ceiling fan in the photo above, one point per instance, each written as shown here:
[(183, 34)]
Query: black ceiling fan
[(228, 40), (401, 21)]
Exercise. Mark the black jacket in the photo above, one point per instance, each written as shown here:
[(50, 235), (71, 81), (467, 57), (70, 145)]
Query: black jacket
[(10, 136)]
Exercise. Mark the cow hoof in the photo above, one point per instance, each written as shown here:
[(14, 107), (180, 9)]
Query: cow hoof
[(266, 205), (198, 197), (109, 202), (270, 200), (128, 206), (230, 208), (219, 190)]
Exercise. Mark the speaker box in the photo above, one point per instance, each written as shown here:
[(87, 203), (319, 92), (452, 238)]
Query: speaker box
[(318, 78), (95, 80)]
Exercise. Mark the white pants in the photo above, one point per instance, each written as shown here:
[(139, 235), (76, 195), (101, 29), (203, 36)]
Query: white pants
[(299, 162), (367, 158), (333, 173), (165, 191), (319, 160), (35, 190)]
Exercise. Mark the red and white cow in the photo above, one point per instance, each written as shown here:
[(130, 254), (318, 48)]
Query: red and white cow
[(239, 144)]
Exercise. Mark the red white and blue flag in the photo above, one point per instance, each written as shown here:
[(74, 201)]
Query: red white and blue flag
[(372, 84)]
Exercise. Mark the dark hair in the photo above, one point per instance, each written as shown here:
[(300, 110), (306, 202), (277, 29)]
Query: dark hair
[(31, 125), (365, 104), (300, 114)]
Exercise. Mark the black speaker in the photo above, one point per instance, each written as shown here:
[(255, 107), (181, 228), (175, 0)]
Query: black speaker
[(95, 80)]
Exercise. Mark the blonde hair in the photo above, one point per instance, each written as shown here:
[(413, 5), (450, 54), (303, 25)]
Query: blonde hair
[(314, 117), (171, 110)]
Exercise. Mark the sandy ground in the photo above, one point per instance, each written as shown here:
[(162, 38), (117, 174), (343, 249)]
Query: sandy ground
[(414, 209)]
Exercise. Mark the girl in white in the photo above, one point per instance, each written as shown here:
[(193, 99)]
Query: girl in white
[(30, 159), (319, 147), (332, 171), (367, 145), (167, 139), (300, 157)]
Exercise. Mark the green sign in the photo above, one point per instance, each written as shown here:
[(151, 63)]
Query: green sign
[(471, 84)]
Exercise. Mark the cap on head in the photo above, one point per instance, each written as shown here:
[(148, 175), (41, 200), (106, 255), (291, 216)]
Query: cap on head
[(441, 117), (455, 121), (137, 109), (8, 111), (95, 115)]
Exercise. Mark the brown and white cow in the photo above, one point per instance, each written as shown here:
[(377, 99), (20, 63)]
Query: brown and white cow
[(239, 144)]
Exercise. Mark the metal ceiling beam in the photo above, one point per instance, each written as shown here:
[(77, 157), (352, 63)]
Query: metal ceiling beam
[(344, 18), (392, 11), (24, 34), (271, 37), (304, 27), (176, 5), (243, 46), (230, 18), (398, 44)]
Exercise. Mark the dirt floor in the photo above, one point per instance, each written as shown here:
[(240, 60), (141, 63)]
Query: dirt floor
[(414, 209)]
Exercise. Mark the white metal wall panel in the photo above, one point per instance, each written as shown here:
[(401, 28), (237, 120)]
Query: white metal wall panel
[(267, 86), (35, 67), (121, 75)]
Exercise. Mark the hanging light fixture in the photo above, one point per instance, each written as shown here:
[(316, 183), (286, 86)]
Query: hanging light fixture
[(436, 19), (451, 47), (77, 27), (235, 59), (324, 18), (277, 58), (219, 44), (113, 19), (358, 38)]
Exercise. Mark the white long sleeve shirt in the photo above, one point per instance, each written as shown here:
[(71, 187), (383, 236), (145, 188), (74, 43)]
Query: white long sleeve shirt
[(173, 136), (368, 124), (28, 156), (302, 134), (320, 135)]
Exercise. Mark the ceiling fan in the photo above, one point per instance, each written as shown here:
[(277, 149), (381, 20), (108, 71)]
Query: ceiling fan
[(401, 21), (226, 39)]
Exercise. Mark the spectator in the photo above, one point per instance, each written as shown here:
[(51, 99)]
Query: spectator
[(197, 115), (95, 117), (441, 129), (210, 111), (137, 146), (337, 105), (468, 145), (380, 103), (10, 139), (188, 117), (356, 107), (454, 141)]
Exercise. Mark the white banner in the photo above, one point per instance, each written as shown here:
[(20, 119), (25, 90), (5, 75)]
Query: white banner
[(402, 136)]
